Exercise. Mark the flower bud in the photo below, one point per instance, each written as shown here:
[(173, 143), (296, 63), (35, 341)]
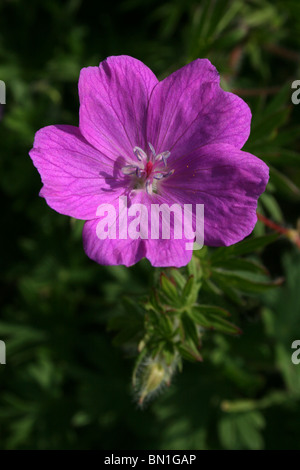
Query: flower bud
[(153, 379), (152, 376)]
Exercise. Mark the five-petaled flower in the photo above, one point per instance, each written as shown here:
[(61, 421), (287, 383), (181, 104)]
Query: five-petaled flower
[(175, 141)]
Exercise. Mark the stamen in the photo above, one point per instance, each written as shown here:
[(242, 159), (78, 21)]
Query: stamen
[(129, 169), (139, 153), (149, 187), (163, 156), (152, 149), (160, 176), (152, 169)]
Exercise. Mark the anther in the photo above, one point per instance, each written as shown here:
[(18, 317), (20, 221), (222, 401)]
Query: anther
[(152, 149), (129, 169), (140, 154)]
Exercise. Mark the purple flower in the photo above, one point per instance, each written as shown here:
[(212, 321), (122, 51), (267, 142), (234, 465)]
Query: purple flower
[(176, 141)]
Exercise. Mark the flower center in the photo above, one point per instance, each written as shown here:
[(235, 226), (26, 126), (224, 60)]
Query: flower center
[(149, 169)]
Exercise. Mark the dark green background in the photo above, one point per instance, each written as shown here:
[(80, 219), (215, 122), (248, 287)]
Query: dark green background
[(65, 386)]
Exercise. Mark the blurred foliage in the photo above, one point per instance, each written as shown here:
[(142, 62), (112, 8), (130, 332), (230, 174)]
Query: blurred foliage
[(73, 329)]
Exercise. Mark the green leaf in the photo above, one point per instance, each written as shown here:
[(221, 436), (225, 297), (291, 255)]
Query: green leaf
[(282, 158), (263, 128), (169, 353), (194, 268), (278, 101), (190, 291), (210, 318), (271, 205), (189, 331), (169, 288), (224, 288), (189, 353), (178, 277), (213, 309), (130, 323), (240, 431), (242, 248), (153, 302), (284, 185), (243, 281), (165, 325), (126, 335), (239, 264)]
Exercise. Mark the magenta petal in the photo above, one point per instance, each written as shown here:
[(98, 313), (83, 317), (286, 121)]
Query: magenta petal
[(228, 182), (76, 176), (168, 253), (188, 109), (113, 250), (113, 104)]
